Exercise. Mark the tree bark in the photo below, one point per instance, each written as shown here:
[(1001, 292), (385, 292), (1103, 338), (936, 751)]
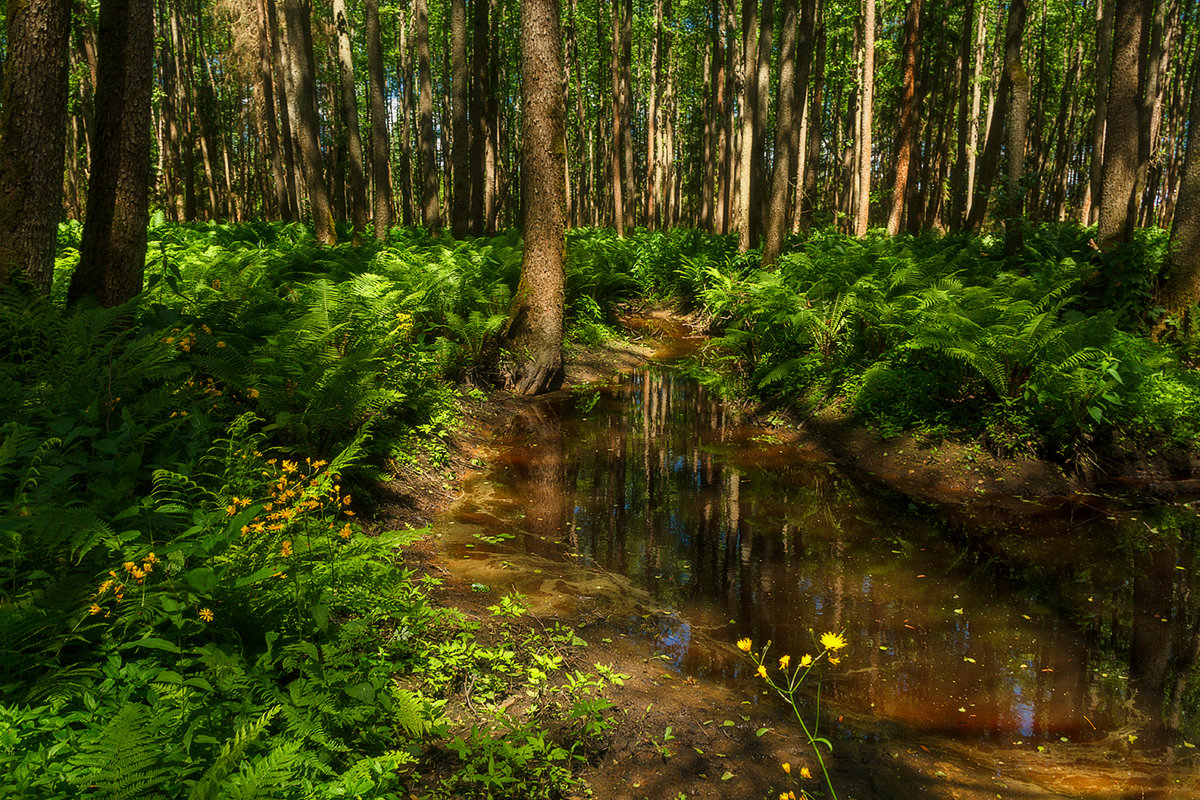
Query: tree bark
[(349, 107), (1018, 118), (1182, 288), (481, 195), (430, 213), (405, 79), (33, 132), (460, 212), (381, 169), (535, 329), (267, 105), (816, 113), (762, 109), (1118, 201), (786, 133), (297, 16), (749, 68), (906, 134), (112, 256), (866, 111), (615, 147)]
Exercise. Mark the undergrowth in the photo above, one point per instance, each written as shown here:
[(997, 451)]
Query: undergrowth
[(1042, 355), (189, 606)]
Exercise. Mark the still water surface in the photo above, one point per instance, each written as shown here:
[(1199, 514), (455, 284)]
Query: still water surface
[(1017, 634)]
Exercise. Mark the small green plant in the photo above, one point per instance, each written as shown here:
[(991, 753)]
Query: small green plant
[(788, 687)]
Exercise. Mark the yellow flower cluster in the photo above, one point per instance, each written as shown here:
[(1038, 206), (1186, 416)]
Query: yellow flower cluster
[(115, 583)]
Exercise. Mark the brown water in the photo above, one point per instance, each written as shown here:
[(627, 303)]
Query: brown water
[(644, 494)]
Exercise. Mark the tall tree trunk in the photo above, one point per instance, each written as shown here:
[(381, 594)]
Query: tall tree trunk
[(906, 134), (405, 79), (816, 115), (976, 104), (1182, 288), (749, 70), (297, 16), (786, 132), (112, 254), (1119, 176), (430, 215), (626, 67), (1105, 10), (535, 329), (480, 123), (357, 201), (866, 112), (653, 182), (291, 210), (958, 175), (1018, 118), (381, 168), (1013, 34), (762, 109), (460, 212), (616, 148), (33, 132), (714, 113)]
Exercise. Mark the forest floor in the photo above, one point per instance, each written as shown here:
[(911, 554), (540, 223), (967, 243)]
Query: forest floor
[(713, 750)]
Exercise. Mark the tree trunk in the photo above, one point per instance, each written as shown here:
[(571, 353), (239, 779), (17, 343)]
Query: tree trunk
[(357, 201), (627, 111), (405, 78), (1018, 119), (381, 168), (297, 16), (33, 132), (615, 148), (653, 182), (906, 134), (430, 215), (866, 111), (535, 328), (460, 211), (1182, 288), (112, 255), (749, 68), (1013, 34), (480, 123), (762, 109), (816, 112), (958, 175), (786, 134), (1119, 175)]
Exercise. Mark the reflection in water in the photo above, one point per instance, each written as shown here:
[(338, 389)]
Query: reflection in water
[(648, 478)]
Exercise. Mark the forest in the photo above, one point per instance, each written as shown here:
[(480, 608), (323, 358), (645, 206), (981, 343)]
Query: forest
[(267, 265)]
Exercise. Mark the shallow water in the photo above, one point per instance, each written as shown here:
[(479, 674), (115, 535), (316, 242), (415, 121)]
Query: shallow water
[(644, 494)]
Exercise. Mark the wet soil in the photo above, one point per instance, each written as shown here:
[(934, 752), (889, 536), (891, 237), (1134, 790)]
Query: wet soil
[(715, 749)]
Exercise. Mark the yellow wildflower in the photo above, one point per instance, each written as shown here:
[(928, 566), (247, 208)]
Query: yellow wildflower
[(289, 466), (787, 767), (231, 509), (744, 645), (805, 660), (832, 641), (286, 550), (834, 661), (784, 661), (220, 344), (345, 533), (762, 671), (783, 796), (804, 773), (150, 557), (94, 608), (206, 615)]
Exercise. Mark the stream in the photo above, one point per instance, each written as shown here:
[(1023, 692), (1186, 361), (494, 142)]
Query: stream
[(1073, 628)]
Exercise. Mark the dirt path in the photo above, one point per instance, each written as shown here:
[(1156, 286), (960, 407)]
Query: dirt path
[(680, 737)]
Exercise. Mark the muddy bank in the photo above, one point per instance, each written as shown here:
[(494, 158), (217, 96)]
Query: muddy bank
[(713, 748)]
